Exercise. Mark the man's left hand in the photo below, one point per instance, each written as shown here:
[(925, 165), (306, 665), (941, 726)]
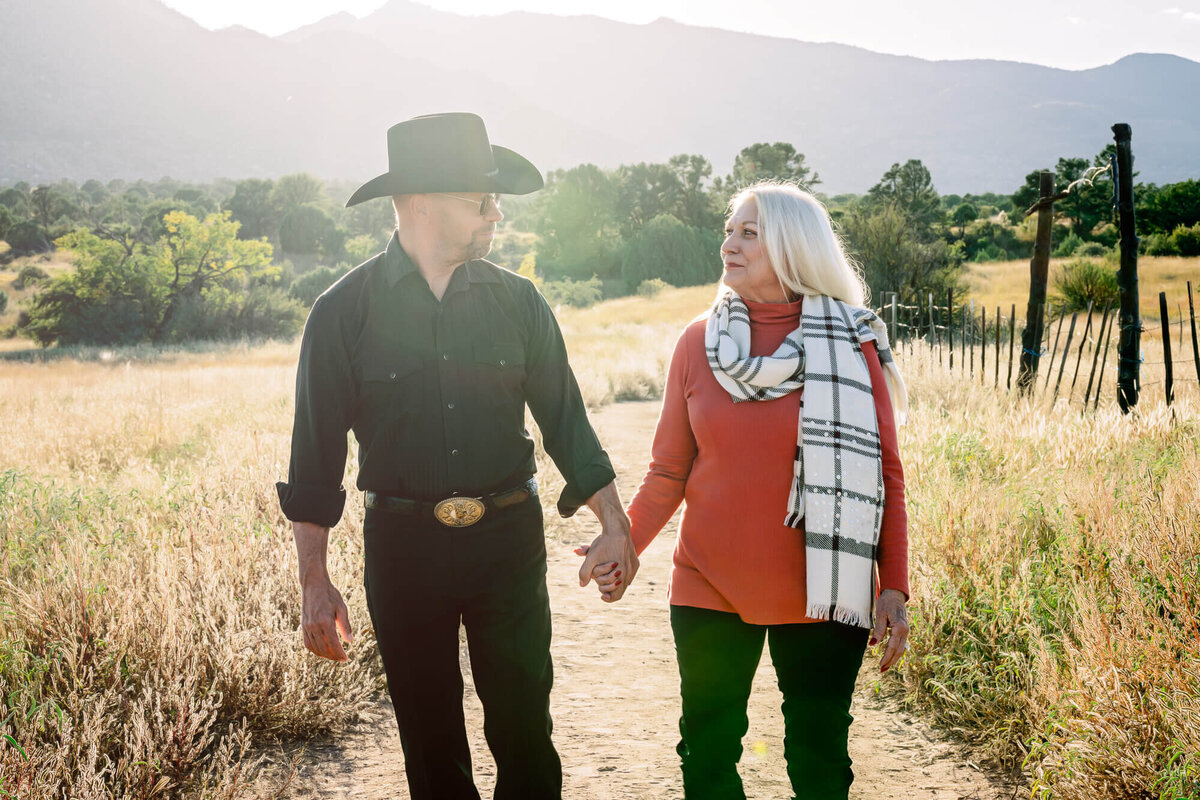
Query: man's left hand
[(890, 614)]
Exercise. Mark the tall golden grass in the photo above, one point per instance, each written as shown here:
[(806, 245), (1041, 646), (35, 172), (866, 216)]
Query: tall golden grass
[(1002, 283), (149, 606)]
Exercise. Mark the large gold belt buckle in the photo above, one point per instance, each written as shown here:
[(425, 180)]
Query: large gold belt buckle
[(459, 512)]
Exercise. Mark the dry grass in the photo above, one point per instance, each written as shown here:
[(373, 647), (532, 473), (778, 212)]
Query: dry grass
[(1002, 283), (53, 263), (148, 628)]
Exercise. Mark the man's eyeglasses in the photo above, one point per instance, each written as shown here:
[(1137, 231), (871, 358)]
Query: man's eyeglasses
[(491, 197)]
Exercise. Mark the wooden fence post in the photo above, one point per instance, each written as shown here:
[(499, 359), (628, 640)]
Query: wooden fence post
[(1096, 354), (950, 324), (1104, 362), (983, 344), (1166, 328), (996, 382), (1012, 335), (933, 334), (1079, 356), (1039, 271), (1066, 352), (1054, 349), (1129, 364), (894, 317), (1195, 348)]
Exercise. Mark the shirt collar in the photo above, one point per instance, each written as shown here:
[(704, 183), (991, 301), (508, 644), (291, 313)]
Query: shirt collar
[(397, 264)]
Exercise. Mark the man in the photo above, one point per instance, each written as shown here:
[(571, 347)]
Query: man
[(430, 355)]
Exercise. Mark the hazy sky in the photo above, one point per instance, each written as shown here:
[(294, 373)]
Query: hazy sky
[(1073, 34)]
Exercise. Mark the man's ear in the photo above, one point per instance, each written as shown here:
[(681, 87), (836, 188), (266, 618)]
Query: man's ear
[(410, 205)]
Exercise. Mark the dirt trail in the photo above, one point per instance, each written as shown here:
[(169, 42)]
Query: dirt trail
[(616, 701)]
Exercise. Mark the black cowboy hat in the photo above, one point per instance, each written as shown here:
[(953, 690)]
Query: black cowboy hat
[(448, 153)]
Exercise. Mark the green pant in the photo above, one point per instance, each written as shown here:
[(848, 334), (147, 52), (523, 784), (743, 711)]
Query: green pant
[(816, 665)]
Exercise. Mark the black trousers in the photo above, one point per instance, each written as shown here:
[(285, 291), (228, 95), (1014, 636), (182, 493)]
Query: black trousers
[(423, 580), (815, 663)]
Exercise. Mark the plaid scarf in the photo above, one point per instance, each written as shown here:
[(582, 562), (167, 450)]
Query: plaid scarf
[(837, 487)]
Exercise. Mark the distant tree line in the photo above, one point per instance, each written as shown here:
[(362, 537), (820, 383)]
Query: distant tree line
[(167, 261)]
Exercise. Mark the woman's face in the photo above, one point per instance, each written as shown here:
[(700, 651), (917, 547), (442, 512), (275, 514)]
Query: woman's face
[(747, 269)]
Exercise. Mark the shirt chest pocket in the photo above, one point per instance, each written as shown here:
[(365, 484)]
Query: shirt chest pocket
[(500, 371), (393, 381)]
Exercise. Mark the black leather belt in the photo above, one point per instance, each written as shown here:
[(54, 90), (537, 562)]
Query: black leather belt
[(454, 511)]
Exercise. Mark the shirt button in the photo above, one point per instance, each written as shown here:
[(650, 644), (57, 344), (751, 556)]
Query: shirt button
[(392, 376), (445, 356), (453, 452), (503, 362), (450, 405)]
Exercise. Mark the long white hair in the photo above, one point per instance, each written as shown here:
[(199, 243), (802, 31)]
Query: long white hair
[(807, 255), (804, 250)]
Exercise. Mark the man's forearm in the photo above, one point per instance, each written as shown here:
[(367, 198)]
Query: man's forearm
[(312, 544), (606, 505)]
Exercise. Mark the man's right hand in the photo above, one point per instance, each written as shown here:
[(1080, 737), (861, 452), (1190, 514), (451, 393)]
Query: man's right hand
[(324, 616), (323, 613)]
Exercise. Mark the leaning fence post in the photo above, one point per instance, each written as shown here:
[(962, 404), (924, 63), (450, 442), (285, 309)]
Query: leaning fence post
[(1195, 348), (1096, 354), (1079, 356), (1039, 271), (1054, 349), (1066, 352), (933, 334), (1166, 327), (1104, 362)]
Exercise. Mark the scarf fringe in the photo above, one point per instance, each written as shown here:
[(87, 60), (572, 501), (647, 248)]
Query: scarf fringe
[(844, 614)]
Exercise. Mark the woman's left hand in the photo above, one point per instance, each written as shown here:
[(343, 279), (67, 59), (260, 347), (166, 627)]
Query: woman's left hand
[(890, 615)]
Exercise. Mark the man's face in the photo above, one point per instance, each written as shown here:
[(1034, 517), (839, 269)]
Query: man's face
[(463, 233)]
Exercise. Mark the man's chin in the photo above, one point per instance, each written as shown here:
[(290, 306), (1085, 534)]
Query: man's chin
[(479, 249)]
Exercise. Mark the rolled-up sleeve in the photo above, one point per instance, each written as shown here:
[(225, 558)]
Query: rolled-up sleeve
[(325, 398), (557, 405)]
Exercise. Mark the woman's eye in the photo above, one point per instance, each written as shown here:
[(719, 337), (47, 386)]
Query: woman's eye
[(749, 232)]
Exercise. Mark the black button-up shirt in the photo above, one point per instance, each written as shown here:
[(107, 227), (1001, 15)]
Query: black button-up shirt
[(435, 392)]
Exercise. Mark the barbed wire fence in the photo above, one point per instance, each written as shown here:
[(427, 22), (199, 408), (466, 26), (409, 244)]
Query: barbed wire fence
[(983, 345)]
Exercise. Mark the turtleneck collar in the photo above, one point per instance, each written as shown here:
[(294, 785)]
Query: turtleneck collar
[(771, 313)]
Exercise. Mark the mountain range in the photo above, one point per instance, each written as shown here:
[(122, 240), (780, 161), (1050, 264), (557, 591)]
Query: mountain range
[(132, 89)]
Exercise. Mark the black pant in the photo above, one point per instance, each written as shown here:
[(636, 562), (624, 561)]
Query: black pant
[(422, 580), (815, 663)]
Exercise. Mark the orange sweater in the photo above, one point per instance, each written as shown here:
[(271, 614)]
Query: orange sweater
[(732, 464)]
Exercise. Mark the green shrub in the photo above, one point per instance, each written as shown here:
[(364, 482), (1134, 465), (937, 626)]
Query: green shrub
[(30, 275), (1159, 244), (989, 252), (1068, 246), (651, 288), (1187, 240), (579, 294), (3, 301), (260, 312), (27, 237), (1091, 250), (1082, 281), (309, 286), (666, 248)]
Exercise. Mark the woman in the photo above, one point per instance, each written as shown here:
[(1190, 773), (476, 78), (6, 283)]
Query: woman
[(777, 429)]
